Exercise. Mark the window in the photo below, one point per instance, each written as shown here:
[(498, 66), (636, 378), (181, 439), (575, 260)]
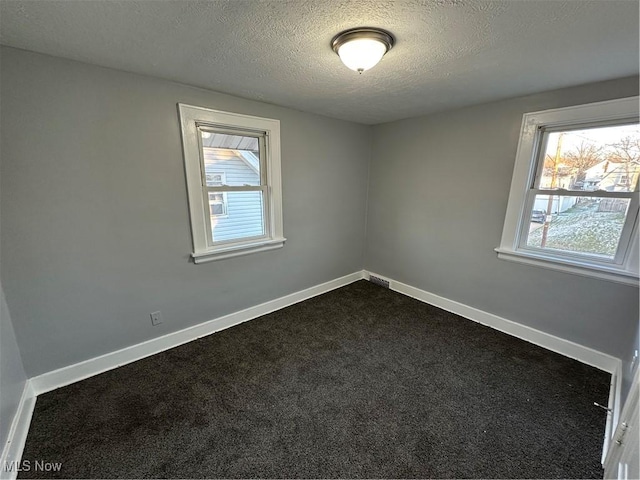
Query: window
[(232, 165), (218, 204), (216, 179), (217, 200), (573, 204)]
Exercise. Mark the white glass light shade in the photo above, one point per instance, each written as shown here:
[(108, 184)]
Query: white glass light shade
[(362, 48), (361, 54)]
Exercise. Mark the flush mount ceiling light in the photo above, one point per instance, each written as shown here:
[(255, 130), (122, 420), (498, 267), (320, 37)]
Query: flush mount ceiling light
[(362, 48)]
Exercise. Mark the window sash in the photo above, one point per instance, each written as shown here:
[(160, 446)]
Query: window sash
[(235, 188), (542, 139), (631, 216), (624, 242), (260, 135), (264, 189), (563, 192)]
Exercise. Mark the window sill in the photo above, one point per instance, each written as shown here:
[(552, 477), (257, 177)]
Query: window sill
[(584, 269), (237, 250)]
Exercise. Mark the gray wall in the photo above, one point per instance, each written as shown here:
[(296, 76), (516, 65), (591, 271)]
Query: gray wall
[(95, 222), (94, 209), (12, 375), (438, 194)]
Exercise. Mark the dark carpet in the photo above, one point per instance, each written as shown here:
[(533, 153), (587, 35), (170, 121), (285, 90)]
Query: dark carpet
[(361, 382)]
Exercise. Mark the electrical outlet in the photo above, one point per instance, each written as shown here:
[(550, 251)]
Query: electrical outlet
[(156, 318)]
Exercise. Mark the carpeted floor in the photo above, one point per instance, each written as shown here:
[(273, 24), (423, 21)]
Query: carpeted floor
[(361, 382)]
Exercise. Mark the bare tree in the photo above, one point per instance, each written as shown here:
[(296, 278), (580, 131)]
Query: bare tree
[(582, 158), (626, 152)]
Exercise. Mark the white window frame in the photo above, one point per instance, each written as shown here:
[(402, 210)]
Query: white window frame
[(624, 267), (192, 119)]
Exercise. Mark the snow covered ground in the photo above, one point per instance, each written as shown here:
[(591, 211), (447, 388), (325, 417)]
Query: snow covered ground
[(582, 229)]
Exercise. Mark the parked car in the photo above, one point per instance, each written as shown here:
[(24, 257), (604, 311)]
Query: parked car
[(538, 216)]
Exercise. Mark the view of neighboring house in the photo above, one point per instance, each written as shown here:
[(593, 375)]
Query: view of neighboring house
[(605, 175), (610, 176), (233, 214)]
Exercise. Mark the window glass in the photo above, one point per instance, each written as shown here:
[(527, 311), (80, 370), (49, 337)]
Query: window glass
[(243, 218), (237, 157), (599, 158), (581, 225)]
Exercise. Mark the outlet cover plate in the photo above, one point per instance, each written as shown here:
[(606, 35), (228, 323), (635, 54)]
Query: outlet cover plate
[(156, 318)]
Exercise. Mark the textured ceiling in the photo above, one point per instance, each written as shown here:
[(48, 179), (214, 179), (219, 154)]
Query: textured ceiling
[(448, 53)]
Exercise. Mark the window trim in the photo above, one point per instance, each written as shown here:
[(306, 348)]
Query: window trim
[(524, 176), (191, 119)]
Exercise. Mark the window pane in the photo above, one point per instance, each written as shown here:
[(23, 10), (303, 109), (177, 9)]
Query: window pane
[(244, 216), (217, 203), (215, 179), (586, 225), (230, 159), (601, 158)]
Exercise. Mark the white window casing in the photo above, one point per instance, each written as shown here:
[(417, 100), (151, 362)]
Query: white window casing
[(623, 268), (267, 131)]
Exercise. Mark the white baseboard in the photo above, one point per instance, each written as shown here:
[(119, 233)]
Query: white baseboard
[(12, 451), (559, 345), (94, 366), (88, 368)]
